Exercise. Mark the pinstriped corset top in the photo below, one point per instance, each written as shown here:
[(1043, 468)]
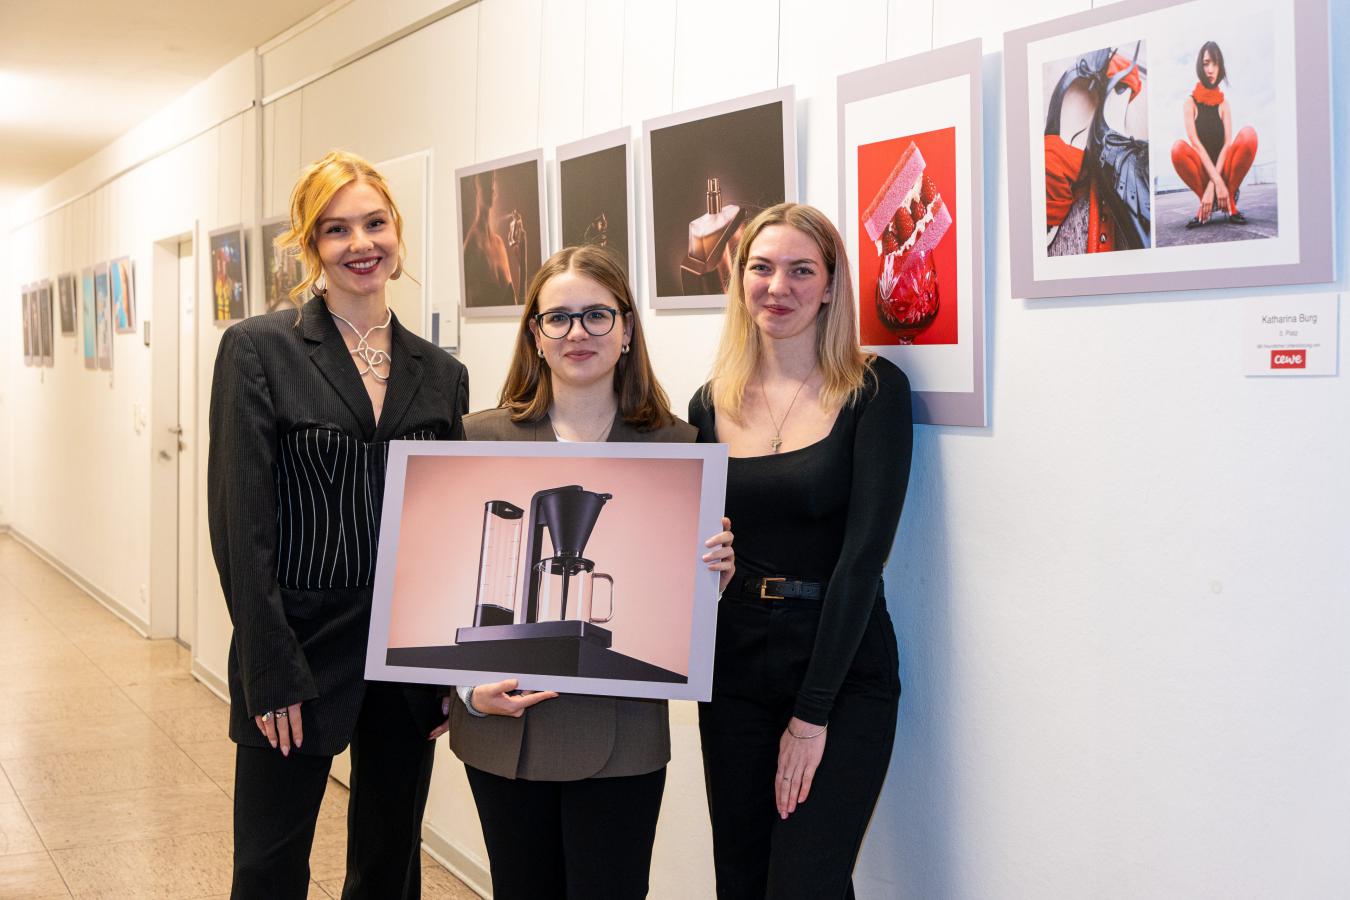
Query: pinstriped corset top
[(330, 491)]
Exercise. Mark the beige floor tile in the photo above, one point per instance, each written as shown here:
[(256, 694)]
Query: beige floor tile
[(202, 723), (30, 876), (215, 758), (17, 834), (139, 660), (334, 801), (315, 893), (162, 694), (7, 794), (159, 811), (194, 865), (56, 651), (40, 675), (100, 771), (64, 704), (439, 884), (44, 737), (328, 856)]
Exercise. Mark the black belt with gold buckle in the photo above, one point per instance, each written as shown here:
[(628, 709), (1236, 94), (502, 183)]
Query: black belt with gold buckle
[(781, 587)]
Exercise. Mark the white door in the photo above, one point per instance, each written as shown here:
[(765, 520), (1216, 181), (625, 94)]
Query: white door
[(187, 443)]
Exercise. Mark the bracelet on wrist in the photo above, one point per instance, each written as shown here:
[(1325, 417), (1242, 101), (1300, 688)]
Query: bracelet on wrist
[(807, 737)]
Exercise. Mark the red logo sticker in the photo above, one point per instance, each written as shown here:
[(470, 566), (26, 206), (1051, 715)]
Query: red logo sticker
[(1289, 359)]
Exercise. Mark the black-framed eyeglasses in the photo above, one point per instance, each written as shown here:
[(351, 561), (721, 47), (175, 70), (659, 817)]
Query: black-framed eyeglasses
[(557, 324)]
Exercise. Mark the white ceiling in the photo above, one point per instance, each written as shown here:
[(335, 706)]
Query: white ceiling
[(76, 74)]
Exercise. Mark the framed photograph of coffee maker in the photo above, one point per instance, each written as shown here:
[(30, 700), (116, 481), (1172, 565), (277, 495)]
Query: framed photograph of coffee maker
[(1161, 146), (911, 181), (571, 567), (595, 195), (706, 172), (503, 212)]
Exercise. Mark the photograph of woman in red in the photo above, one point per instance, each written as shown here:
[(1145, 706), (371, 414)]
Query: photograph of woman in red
[(1213, 160)]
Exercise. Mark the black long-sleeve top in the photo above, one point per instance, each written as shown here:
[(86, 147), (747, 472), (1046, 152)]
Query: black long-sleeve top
[(826, 512)]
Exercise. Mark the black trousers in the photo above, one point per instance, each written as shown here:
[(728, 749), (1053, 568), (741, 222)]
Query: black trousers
[(276, 807), (763, 648), (569, 840)]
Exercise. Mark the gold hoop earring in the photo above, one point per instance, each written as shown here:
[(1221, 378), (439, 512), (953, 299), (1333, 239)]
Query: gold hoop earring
[(398, 272), (321, 285)]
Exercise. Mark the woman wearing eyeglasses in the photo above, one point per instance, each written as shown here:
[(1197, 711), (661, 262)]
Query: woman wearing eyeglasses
[(568, 788)]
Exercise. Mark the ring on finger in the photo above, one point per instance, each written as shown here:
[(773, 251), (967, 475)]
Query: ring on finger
[(267, 716), (282, 713)]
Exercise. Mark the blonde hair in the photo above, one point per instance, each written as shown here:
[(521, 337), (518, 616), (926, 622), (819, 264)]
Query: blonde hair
[(842, 362), (528, 391), (318, 184)]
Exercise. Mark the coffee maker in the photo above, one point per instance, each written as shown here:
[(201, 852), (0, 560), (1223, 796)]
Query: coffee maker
[(559, 589)]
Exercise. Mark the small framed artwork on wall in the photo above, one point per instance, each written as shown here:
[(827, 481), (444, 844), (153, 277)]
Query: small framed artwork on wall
[(912, 207), (706, 173), (229, 274), (1156, 145), (501, 232), (122, 281), (595, 195)]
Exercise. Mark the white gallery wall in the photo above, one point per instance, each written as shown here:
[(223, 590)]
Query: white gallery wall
[(1121, 607)]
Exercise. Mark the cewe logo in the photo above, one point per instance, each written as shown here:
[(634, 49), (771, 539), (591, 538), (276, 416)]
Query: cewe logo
[(1289, 359)]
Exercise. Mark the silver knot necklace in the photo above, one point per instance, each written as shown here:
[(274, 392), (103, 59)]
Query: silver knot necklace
[(365, 353)]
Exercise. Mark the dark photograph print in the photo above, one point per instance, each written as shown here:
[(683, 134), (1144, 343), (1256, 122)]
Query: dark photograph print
[(282, 270), (66, 289), (593, 196), (1097, 190), (229, 287), (1217, 113), (501, 232), (709, 171)]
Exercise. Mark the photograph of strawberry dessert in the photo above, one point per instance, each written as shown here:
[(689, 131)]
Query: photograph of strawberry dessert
[(903, 229)]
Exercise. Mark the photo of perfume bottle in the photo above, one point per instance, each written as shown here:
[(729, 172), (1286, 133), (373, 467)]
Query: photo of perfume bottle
[(593, 200), (713, 238)]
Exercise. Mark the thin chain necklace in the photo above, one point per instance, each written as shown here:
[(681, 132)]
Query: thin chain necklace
[(604, 434), (777, 441), (366, 353)]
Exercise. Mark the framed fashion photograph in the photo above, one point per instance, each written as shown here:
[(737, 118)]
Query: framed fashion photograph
[(282, 270), (229, 274), (502, 214), (103, 331), (65, 290), (26, 309), (706, 173), (88, 324), (911, 213), (595, 195), (122, 281), (1156, 145), (546, 562), (46, 324)]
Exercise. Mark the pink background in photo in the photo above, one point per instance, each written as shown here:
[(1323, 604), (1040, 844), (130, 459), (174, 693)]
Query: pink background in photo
[(646, 538)]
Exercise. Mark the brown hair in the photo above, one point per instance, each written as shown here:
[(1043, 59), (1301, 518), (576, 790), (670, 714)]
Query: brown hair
[(843, 363), (318, 183), (528, 391)]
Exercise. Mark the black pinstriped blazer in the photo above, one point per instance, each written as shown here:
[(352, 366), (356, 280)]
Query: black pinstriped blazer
[(295, 485), (573, 736)]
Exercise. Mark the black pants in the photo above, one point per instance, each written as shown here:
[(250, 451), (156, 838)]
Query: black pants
[(569, 840), (763, 649), (276, 806)]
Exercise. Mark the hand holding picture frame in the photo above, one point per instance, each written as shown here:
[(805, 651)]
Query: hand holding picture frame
[(569, 567)]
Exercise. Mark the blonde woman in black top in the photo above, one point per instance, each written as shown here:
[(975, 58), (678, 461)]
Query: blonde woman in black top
[(798, 736)]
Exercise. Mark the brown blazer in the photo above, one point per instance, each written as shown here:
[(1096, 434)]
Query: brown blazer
[(573, 736)]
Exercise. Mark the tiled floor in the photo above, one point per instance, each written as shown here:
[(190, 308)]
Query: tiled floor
[(115, 771)]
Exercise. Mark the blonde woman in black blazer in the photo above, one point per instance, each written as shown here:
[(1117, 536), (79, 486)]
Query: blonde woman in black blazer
[(568, 788), (303, 406)]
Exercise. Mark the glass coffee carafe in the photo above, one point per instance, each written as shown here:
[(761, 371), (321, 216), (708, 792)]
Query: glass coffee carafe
[(566, 590), (498, 562)]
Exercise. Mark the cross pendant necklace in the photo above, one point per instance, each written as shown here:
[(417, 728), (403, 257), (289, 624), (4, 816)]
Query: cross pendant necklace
[(776, 441)]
